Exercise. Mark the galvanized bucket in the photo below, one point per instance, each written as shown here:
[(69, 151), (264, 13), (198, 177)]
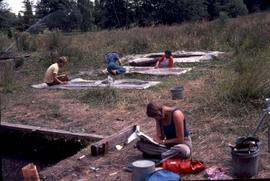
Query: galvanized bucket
[(141, 169), (177, 92)]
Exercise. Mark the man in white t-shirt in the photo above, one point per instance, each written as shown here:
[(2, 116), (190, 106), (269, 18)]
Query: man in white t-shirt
[(51, 76)]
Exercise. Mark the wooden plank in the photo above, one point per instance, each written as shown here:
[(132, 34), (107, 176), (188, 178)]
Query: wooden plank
[(103, 146), (52, 132)]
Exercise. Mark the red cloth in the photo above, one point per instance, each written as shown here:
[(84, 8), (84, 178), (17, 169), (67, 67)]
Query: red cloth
[(183, 166)]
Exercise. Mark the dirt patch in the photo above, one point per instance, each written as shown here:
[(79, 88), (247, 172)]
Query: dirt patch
[(53, 109)]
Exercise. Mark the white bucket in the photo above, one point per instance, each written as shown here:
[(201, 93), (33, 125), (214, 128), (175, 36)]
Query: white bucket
[(141, 169)]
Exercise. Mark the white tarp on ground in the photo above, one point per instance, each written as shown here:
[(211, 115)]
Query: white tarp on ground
[(179, 56), (159, 71), (79, 83)]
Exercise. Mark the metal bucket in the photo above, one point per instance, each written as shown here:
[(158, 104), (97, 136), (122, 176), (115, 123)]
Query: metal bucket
[(141, 169), (177, 92), (245, 164)]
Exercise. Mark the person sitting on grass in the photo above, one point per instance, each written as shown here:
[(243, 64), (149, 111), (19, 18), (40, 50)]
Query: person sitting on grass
[(165, 61), (171, 131), (114, 64), (51, 76)]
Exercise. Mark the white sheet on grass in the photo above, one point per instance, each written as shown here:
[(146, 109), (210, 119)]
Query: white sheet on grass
[(196, 56), (79, 83), (159, 71)]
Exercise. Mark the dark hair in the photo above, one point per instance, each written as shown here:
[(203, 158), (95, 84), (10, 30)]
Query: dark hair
[(153, 109), (62, 59), (168, 52)]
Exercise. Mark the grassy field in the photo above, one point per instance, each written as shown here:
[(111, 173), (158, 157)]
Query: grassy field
[(223, 97)]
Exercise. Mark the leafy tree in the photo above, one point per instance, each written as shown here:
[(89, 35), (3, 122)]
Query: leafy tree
[(86, 9), (231, 8), (112, 13), (257, 5), (191, 10), (166, 12), (7, 19), (62, 14), (143, 12)]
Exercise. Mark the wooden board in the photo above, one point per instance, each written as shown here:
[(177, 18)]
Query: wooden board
[(51, 132), (103, 146)]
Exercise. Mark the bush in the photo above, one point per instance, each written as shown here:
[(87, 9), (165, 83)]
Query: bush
[(55, 40), (26, 42), (241, 87), (5, 41)]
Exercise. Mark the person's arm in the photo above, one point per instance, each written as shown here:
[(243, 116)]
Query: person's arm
[(158, 62), (178, 118), (55, 78), (170, 62), (158, 137), (119, 61)]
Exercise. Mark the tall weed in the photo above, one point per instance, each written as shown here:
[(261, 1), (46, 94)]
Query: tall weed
[(25, 41)]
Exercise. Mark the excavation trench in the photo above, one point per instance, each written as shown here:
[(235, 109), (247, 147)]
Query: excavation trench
[(21, 145)]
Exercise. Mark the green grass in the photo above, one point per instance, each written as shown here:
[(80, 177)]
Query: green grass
[(235, 81)]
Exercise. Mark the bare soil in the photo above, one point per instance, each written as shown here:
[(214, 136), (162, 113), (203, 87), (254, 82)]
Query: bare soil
[(53, 109)]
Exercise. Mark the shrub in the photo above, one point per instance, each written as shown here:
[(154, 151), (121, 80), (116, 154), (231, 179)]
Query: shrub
[(241, 87), (5, 41), (26, 42), (55, 39)]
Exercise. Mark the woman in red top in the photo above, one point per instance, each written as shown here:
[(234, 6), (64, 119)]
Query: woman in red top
[(166, 61)]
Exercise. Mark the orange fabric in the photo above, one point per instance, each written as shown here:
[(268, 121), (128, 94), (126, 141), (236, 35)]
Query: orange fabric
[(170, 60), (183, 166)]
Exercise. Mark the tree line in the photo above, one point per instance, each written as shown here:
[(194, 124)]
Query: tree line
[(86, 15)]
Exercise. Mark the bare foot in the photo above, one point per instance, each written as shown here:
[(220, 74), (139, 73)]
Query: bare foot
[(114, 72)]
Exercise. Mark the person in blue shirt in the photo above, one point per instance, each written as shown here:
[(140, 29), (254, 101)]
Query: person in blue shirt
[(114, 66), (171, 131)]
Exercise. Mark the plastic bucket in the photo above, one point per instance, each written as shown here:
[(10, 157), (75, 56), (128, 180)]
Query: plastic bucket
[(245, 165), (177, 92), (141, 169)]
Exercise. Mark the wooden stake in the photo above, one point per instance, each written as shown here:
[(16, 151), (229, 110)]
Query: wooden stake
[(30, 172)]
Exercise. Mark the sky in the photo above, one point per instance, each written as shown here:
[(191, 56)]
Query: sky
[(16, 5)]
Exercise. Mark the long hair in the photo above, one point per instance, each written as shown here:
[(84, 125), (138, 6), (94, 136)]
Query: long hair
[(153, 109)]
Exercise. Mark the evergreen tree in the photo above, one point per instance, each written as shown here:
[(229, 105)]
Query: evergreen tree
[(28, 17), (45, 7), (20, 24), (191, 10)]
